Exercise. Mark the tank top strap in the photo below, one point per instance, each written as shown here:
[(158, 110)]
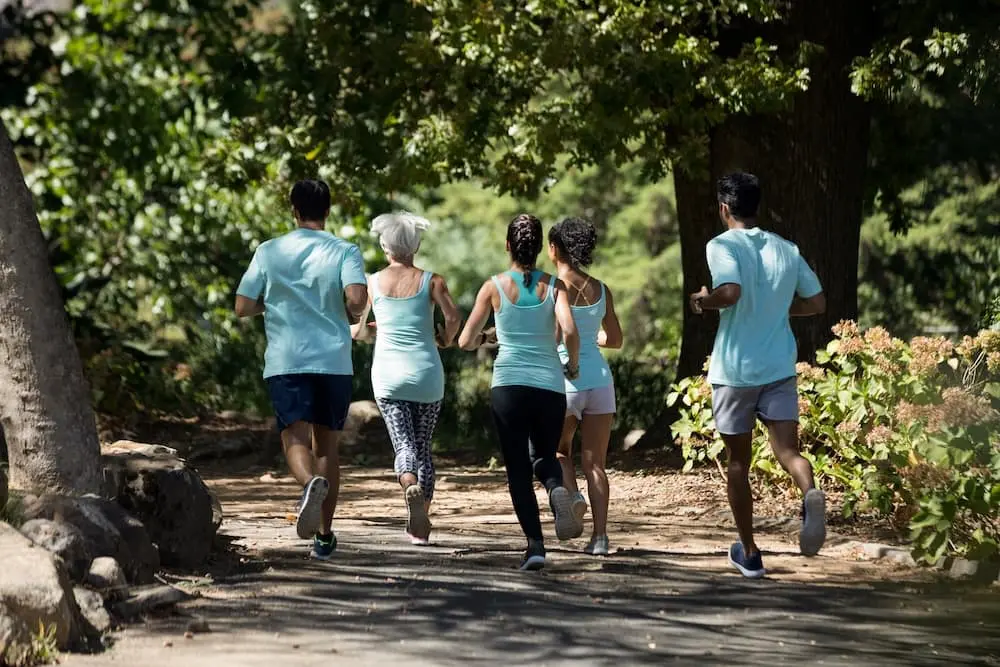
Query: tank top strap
[(550, 289), (425, 282), (503, 295), (373, 284)]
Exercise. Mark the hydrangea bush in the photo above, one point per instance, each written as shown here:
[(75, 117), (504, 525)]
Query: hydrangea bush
[(908, 431)]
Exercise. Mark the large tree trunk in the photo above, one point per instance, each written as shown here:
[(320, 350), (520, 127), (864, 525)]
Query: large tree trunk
[(45, 404), (811, 162)]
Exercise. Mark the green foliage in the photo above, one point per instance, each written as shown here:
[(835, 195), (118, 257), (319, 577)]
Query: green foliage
[(907, 431), (399, 94), (42, 649), (943, 272)]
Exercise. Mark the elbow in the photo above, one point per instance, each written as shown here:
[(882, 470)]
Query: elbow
[(819, 304), (728, 295), (615, 343)]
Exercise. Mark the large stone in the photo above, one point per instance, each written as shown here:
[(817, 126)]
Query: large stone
[(108, 530), (365, 435), (168, 496), (65, 541), (107, 576), (33, 590), (92, 609)]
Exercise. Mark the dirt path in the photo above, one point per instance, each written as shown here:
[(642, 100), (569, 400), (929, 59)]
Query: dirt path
[(665, 595)]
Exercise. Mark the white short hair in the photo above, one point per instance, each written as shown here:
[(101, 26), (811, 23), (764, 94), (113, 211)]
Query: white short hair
[(399, 232)]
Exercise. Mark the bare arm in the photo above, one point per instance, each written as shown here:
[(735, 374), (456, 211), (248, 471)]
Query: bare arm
[(723, 296), (452, 318), (247, 307), (472, 335), (356, 301), (570, 336), (361, 331), (610, 335), (814, 305)]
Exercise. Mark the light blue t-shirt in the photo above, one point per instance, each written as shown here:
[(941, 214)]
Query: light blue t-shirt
[(755, 345), (302, 276)]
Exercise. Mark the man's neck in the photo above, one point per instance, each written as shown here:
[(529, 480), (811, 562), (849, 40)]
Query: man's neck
[(310, 224), (737, 223)]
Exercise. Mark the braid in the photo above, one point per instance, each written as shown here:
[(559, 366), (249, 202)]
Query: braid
[(524, 235)]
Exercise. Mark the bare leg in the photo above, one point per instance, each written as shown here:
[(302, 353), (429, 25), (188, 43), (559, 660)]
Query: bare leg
[(738, 486), (565, 454), (785, 445), (595, 435), (296, 440), (326, 445)]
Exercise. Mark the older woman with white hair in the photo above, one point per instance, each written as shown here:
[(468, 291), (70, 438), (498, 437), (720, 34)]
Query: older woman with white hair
[(407, 375)]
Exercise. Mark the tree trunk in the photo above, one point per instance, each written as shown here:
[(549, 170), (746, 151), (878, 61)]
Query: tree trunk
[(45, 404), (811, 161)]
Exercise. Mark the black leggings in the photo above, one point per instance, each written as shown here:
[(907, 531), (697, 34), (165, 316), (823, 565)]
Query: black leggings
[(529, 424)]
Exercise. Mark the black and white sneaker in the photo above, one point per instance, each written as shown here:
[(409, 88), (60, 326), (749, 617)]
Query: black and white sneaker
[(534, 557), (310, 510)]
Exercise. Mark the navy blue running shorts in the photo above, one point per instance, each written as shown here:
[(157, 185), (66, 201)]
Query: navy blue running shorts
[(316, 398)]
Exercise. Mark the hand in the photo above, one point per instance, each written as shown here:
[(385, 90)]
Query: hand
[(696, 298), (571, 371), (489, 338), (439, 333)]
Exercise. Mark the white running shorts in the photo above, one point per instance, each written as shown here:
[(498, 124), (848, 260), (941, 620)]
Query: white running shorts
[(598, 401)]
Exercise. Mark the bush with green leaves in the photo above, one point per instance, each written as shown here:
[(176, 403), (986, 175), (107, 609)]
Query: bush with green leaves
[(908, 431)]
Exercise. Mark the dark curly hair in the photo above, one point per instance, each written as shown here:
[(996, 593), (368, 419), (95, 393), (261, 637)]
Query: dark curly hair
[(575, 239), (524, 234)]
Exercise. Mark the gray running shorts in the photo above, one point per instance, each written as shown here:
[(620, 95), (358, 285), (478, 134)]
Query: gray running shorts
[(737, 408)]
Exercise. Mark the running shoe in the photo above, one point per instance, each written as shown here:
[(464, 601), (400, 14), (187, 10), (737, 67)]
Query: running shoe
[(579, 506), (418, 541), (813, 533), (534, 557), (309, 514), (752, 567), (598, 546), (417, 523), (568, 525), (324, 546)]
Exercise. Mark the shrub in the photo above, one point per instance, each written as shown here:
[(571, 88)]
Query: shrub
[(906, 431)]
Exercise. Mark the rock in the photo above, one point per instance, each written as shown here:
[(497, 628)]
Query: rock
[(107, 529), (217, 513), (107, 576), (34, 590), (150, 598), (92, 609), (65, 541), (168, 496), (365, 434)]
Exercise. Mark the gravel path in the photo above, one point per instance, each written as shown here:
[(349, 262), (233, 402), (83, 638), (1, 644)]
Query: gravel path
[(666, 595)]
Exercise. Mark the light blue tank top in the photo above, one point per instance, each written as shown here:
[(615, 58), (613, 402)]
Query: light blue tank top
[(527, 338), (594, 371), (407, 365)]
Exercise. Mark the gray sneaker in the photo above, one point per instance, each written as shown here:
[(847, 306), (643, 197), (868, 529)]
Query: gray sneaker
[(813, 533), (567, 524), (579, 506), (598, 546)]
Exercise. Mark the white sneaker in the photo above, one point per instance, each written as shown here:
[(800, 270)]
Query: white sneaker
[(579, 506), (568, 525)]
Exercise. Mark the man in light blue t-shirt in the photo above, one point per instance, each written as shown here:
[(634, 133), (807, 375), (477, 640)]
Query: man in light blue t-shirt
[(306, 283), (759, 280)]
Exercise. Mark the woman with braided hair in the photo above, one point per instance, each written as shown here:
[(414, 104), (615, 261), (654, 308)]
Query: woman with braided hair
[(528, 396), (407, 375), (590, 397)]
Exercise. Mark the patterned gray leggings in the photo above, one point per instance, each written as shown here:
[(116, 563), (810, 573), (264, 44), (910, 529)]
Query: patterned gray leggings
[(411, 426)]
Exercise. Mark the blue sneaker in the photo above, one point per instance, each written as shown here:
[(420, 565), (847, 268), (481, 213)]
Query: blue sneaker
[(752, 567), (813, 533), (324, 546)]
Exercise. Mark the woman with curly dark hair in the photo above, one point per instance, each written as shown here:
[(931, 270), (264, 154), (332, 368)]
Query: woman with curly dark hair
[(528, 395), (590, 397)]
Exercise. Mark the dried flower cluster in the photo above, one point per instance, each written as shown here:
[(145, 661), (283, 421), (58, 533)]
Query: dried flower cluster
[(926, 354)]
